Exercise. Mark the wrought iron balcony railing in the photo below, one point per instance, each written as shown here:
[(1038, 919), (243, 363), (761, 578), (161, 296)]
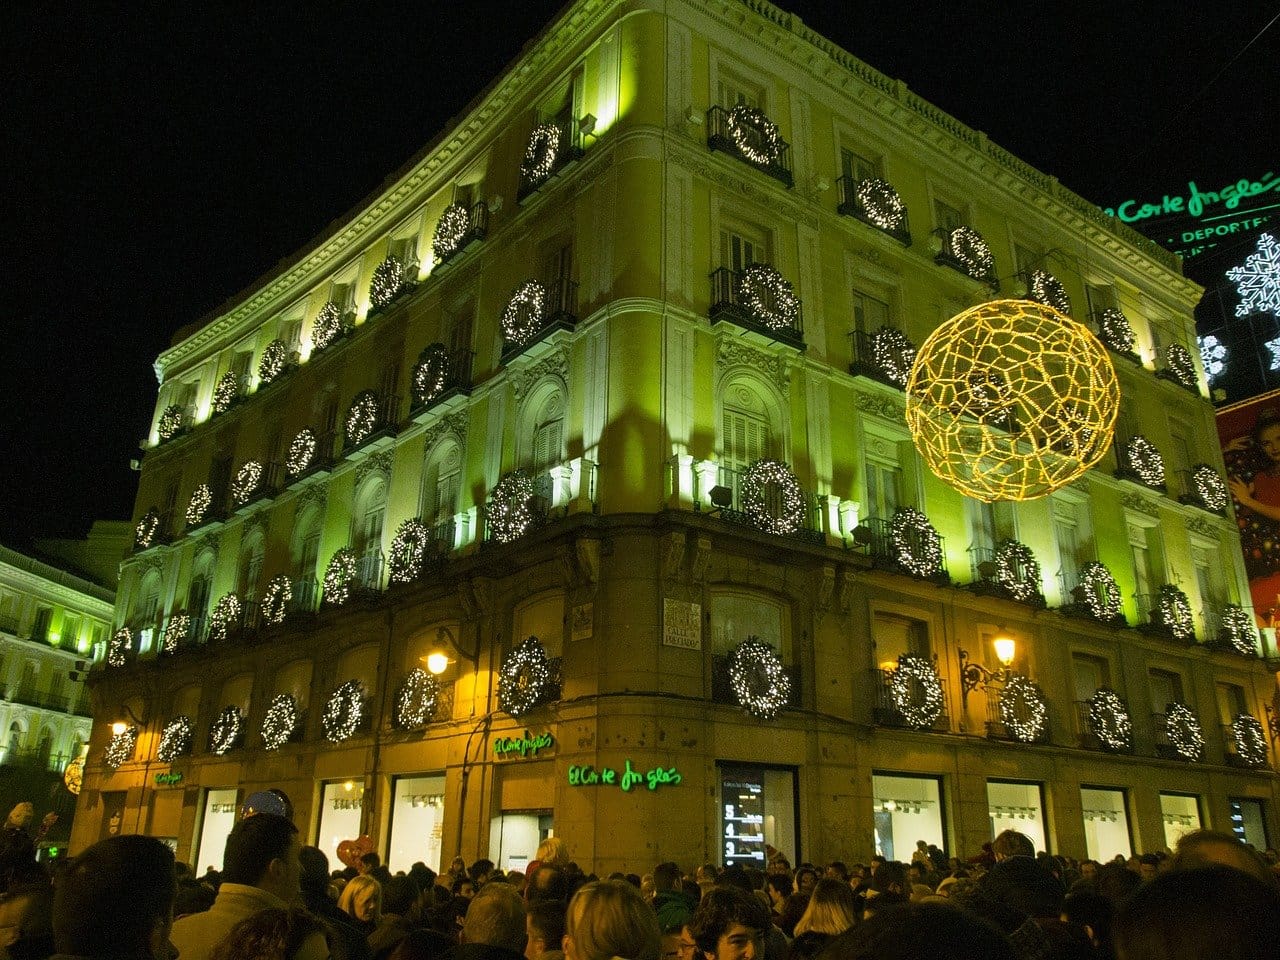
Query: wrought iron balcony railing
[(477, 229), (852, 204), (557, 152), (379, 434), (771, 506), (451, 378), (997, 729), (874, 536), (888, 713), (559, 312), (884, 355), (759, 310), (1086, 733), (750, 145)]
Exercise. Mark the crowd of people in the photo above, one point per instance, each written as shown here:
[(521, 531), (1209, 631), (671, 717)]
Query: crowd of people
[(125, 898)]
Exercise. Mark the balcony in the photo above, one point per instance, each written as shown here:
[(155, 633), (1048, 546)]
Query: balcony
[(1138, 461), (392, 279), (469, 226), (1163, 614), (722, 689), (1248, 755), (244, 496), (184, 631), (768, 515), (876, 204), (753, 140), (885, 355), (1086, 733), (44, 699), (998, 730), (371, 425), (1018, 581), (1204, 487), (759, 301), (370, 568), (552, 146), (1116, 333), (874, 536), (536, 312), (153, 530), (1179, 369), (886, 712), (302, 467), (441, 380), (306, 597), (558, 491)]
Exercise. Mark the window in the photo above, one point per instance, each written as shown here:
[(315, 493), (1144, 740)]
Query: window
[(30, 676), (895, 635), (742, 245), (989, 523), (946, 216), (737, 614), (1017, 805), (1089, 673), (886, 488), (548, 433), (1148, 562), (371, 509), (1100, 297), (343, 294), (564, 103), (1231, 702), (405, 249), (1181, 451), (732, 90), (201, 585), (291, 334), (1248, 822), (417, 819), (869, 313), (458, 323), (1210, 576), (1181, 814), (1106, 823), (219, 817), (70, 630), (759, 808), (856, 166), (250, 567), (906, 808), (441, 483), (745, 438), (1166, 688), (1025, 258), (40, 627), (446, 496), (239, 365)]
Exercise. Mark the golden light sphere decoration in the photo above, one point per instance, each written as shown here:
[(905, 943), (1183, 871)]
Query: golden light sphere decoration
[(1011, 400)]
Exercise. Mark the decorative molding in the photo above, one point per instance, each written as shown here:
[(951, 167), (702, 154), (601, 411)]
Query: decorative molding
[(555, 364), (454, 426), (882, 405), (313, 493), (847, 585), (701, 557), (826, 587), (588, 556), (733, 351), (673, 557), (1132, 500), (476, 596), (1204, 525), (377, 463), (710, 167)]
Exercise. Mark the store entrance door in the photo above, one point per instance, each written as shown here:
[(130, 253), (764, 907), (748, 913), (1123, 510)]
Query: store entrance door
[(514, 837)]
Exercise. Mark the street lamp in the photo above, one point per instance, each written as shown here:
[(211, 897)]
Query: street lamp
[(438, 660), (974, 675)]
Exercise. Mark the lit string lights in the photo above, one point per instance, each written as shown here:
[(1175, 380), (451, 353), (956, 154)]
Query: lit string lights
[(119, 748), (1100, 594), (340, 576), (275, 358), (226, 392), (1115, 330), (280, 723), (344, 712), (1183, 730), (175, 632), (247, 482), (523, 315), (965, 247), (1043, 287), (755, 135), (276, 599), (1239, 631), (120, 647), (1022, 709), (329, 326), (451, 230), (916, 691), (1144, 461), (881, 205), (225, 731), (302, 453), (1173, 611), (1109, 718), (225, 617), (173, 420), (1251, 741), (430, 373), (1209, 487), (1178, 359), (199, 504), (758, 679), (1257, 280), (893, 354), (768, 298), (388, 282), (540, 154), (510, 513), (362, 418), (175, 739), (915, 542), (525, 678), (409, 550), (144, 534), (771, 497), (1213, 355), (1018, 571), (416, 699)]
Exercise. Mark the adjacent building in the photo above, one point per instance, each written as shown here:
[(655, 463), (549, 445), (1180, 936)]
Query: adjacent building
[(565, 487)]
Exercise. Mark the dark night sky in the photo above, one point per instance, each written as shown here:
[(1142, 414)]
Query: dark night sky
[(159, 158)]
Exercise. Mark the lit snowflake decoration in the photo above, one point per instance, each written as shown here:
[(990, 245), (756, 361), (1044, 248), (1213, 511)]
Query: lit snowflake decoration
[(199, 504), (915, 543), (1018, 571), (1239, 631), (768, 297), (362, 418), (1209, 488), (1022, 709), (247, 482), (1044, 287), (1213, 355), (302, 453), (510, 512), (1115, 330), (1110, 720), (276, 599), (409, 551), (280, 723), (1251, 742), (339, 576), (225, 617), (893, 354), (1173, 612), (755, 135), (430, 373), (523, 315), (771, 497), (388, 282), (880, 205), (758, 679), (275, 358), (172, 422), (344, 712), (916, 691), (175, 632), (226, 393), (120, 748), (144, 534), (224, 732), (525, 678), (1183, 731), (965, 248), (175, 739), (451, 231), (1099, 591), (120, 647), (1145, 461), (1178, 359), (1274, 347), (416, 699), (1257, 280), (329, 326), (540, 154)]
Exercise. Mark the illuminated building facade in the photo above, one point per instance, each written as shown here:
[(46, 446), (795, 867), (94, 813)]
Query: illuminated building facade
[(616, 364)]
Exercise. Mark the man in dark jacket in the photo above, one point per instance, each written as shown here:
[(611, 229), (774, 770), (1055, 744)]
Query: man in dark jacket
[(673, 906), (346, 940)]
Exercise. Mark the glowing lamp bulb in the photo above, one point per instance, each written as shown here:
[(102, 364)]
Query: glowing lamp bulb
[(1004, 650), (118, 728), (437, 662)]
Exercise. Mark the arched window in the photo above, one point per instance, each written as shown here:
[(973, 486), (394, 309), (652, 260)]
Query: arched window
[(368, 517), (15, 741), (750, 427), (250, 565), (201, 585), (305, 548), (148, 600), (541, 435), (441, 483)]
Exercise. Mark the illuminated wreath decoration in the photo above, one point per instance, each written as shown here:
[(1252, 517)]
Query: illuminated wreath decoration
[(302, 453), (1115, 330), (329, 326), (916, 691), (1044, 287), (525, 678), (226, 393), (119, 748), (175, 739), (1183, 730), (1239, 632), (226, 615), (388, 280), (120, 647), (362, 417), (339, 576), (768, 297), (451, 230), (224, 732), (1022, 709), (416, 700), (880, 204), (248, 480), (1145, 461), (144, 534), (1209, 488), (409, 551), (758, 499), (276, 599), (430, 373), (344, 712), (175, 632), (540, 154), (172, 422), (280, 723), (965, 246), (755, 135), (1048, 389), (1174, 612), (1251, 742), (523, 315), (1110, 720), (1178, 359), (510, 513), (199, 504), (273, 361), (915, 543), (893, 354), (758, 680), (1099, 590), (1018, 570)]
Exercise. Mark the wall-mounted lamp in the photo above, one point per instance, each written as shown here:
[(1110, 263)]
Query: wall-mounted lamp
[(438, 660), (721, 497), (975, 675), (587, 125)]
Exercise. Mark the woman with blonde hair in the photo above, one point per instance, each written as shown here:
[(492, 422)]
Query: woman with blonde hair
[(609, 919), (831, 911), (361, 899)]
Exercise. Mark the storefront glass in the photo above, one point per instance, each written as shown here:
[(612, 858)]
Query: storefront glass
[(906, 809), (757, 809), (1248, 823), (416, 819), (219, 816), (1017, 805), (1181, 813), (1106, 823), (514, 837), (341, 804)]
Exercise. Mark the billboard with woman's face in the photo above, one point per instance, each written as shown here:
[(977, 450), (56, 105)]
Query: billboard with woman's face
[(1250, 435)]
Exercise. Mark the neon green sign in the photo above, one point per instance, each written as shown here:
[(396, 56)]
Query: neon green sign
[(526, 746), (168, 778), (588, 776), (1196, 201)]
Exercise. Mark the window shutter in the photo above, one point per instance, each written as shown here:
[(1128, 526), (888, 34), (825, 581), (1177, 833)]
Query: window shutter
[(446, 496)]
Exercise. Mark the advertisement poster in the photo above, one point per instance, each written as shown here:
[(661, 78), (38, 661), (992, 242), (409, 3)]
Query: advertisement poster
[(1250, 436)]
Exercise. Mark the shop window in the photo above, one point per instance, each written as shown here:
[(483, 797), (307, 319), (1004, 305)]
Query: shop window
[(514, 837), (906, 809), (1248, 822), (1106, 823), (341, 812), (417, 817), (1181, 814), (218, 817), (1017, 805), (759, 807)]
